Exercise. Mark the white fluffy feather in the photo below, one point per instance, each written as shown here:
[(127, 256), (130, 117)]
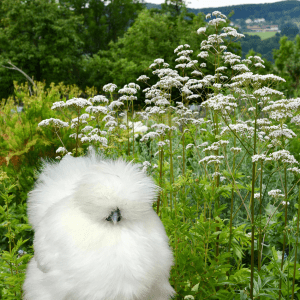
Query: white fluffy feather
[(79, 254)]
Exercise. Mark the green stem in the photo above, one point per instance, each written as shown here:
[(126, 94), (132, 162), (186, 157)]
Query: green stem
[(252, 211), (231, 204), (260, 213), (171, 161), (285, 227), (217, 181), (77, 132), (296, 246), (132, 131), (183, 151), (128, 149)]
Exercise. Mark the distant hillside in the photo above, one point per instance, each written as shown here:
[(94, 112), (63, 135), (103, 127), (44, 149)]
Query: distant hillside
[(285, 14), (270, 11), (276, 12)]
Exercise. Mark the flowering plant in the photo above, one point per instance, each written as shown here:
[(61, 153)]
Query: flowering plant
[(242, 126)]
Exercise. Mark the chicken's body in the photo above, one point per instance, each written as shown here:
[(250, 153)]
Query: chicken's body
[(83, 254)]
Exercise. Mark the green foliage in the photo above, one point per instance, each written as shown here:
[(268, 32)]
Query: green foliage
[(13, 225), (103, 23), (206, 207), (41, 39), (152, 35), (265, 47), (287, 63), (289, 29)]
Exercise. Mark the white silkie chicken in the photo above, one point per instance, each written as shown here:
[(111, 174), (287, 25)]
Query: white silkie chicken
[(97, 236)]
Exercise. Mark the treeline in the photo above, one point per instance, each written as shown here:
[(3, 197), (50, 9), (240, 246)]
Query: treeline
[(278, 12), (95, 44)]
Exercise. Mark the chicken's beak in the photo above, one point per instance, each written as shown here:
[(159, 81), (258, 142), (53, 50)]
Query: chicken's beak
[(114, 217)]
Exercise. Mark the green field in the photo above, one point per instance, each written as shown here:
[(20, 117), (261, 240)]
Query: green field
[(263, 35)]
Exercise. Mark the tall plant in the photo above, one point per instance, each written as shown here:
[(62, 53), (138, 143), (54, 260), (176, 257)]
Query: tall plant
[(244, 127)]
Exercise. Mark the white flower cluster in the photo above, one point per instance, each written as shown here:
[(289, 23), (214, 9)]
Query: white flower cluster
[(265, 91), (77, 103), (211, 159), (242, 129), (282, 109), (281, 132), (149, 135), (129, 89), (158, 61), (275, 193), (80, 120), (235, 150), (146, 164), (143, 78), (256, 80), (220, 103), (283, 156), (58, 104), (61, 149), (96, 110), (203, 145), (216, 145), (294, 170), (87, 128), (109, 88), (215, 174), (94, 138), (258, 157), (53, 122), (99, 98), (117, 103)]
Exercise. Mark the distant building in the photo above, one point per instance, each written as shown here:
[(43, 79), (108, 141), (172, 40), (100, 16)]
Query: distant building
[(248, 21), (235, 25), (263, 28), (259, 20)]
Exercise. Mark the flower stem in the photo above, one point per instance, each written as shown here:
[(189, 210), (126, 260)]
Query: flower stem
[(132, 130), (260, 213), (284, 232), (171, 161), (252, 210), (296, 246)]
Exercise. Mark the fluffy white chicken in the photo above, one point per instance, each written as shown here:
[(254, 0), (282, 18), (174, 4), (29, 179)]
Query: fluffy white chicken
[(97, 236)]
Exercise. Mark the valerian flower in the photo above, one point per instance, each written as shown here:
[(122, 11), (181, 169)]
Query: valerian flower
[(53, 122), (99, 98), (275, 193), (77, 103), (109, 87)]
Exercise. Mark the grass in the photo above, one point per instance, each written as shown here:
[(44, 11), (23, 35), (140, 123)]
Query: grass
[(262, 35)]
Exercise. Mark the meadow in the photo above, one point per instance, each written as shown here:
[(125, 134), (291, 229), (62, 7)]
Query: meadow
[(228, 170), (262, 35)]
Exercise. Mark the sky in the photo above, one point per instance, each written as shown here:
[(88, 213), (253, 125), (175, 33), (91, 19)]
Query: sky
[(216, 3)]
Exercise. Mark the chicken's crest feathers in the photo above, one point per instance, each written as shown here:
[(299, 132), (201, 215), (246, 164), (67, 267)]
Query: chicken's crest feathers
[(92, 180)]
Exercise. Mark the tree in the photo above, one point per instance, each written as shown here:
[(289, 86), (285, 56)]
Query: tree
[(153, 35), (287, 62), (103, 22), (174, 7), (289, 29), (39, 37)]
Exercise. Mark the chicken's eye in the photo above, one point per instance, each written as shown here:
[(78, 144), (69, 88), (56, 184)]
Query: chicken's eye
[(115, 216)]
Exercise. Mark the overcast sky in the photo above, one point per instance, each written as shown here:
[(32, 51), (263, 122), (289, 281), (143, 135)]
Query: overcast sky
[(216, 3)]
